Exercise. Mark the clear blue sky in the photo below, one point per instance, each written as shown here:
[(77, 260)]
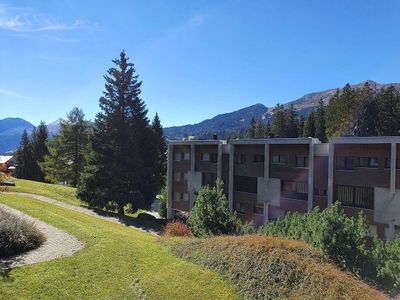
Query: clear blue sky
[(196, 58)]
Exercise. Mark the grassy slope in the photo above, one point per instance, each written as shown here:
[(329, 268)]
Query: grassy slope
[(114, 258)]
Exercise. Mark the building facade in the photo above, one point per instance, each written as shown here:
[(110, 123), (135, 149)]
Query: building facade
[(266, 178)]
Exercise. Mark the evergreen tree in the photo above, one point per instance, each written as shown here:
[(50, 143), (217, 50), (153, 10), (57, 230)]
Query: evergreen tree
[(68, 149), (160, 167), (309, 126), (251, 132), (259, 131), (24, 158), (291, 122), (301, 124), (388, 116), (278, 121), (268, 130), (120, 169), (320, 128), (40, 137)]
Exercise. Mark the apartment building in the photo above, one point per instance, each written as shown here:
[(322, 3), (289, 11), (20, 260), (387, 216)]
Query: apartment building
[(266, 178)]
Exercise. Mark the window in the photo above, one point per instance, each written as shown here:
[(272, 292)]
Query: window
[(245, 184), (355, 196), (344, 163), (182, 156), (294, 189), (209, 179), (240, 159), (302, 161), (180, 176), (258, 158), (258, 209), (241, 207), (279, 159), (205, 156), (387, 163), (316, 192), (368, 162), (214, 157)]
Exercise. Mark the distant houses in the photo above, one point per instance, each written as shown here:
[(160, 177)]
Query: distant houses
[(7, 163)]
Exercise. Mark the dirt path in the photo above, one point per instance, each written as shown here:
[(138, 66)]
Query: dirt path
[(98, 214), (58, 244)]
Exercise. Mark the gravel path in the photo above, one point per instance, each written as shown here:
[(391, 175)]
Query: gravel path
[(98, 214), (58, 244)]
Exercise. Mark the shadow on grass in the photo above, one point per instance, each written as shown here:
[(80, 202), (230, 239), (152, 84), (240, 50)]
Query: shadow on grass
[(154, 226), (5, 275)]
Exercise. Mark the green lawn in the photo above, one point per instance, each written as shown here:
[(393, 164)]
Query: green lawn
[(117, 262)]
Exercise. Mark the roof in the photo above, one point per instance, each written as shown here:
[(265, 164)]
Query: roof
[(5, 158)]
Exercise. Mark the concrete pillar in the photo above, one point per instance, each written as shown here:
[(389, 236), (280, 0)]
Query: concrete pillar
[(266, 161), (330, 173), (310, 176), (231, 170), (219, 161), (170, 212), (393, 151), (192, 169), (392, 233)]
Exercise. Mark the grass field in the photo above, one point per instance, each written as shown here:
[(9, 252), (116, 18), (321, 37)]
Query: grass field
[(117, 262)]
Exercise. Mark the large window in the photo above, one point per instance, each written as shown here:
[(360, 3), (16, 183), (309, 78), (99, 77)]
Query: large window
[(180, 176), (258, 158), (240, 159), (368, 162), (213, 157), (387, 163), (209, 179), (181, 196), (345, 163), (241, 207), (302, 161), (182, 156), (294, 189), (245, 184), (355, 196), (279, 159)]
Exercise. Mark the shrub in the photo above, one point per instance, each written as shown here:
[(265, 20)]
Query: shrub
[(210, 214), (176, 228), (162, 207), (247, 228), (386, 261), (17, 235), (274, 268), (340, 237)]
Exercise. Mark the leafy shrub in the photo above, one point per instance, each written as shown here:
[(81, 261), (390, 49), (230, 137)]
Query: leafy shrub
[(274, 268), (176, 228), (162, 207), (210, 214), (386, 261), (341, 238), (247, 228), (17, 235)]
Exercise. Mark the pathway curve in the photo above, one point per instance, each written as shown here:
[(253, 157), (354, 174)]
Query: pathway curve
[(58, 244), (130, 222)]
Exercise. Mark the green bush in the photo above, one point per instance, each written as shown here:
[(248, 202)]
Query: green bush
[(341, 238), (17, 235), (274, 268), (210, 214), (162, 207), (386, 261), (247, 228)]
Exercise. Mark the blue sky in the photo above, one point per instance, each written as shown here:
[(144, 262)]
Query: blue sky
[(196, 58)]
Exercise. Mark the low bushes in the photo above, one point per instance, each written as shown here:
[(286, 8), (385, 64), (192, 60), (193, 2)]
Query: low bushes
[(270, 267), (17, 235), (176, 228)]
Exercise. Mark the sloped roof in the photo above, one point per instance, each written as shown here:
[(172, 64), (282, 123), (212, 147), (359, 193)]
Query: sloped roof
[(5, 158)]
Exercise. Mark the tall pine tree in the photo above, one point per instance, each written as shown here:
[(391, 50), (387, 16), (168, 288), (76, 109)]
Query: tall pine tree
[(320, 128), (40, 137), (24, 158), (251, 132), (292, 129), (278, 121), (309, 126), (120, 169), (160, 166)]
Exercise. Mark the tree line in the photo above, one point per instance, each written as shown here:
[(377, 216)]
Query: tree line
[(351, 111), (117, 162)]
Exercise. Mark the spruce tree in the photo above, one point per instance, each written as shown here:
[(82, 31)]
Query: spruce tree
[(259, 131), (309, 126), (24, 158), (68, 150), (120, 168), (291, 122), (40, 137), (251, 131), (320, 129), (278, 121), (301, 124), (160, 166)]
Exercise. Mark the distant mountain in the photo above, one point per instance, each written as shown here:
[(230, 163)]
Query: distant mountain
[(10, 133), (54, 127), (239, 120)]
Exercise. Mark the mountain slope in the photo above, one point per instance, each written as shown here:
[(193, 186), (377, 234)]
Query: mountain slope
[(10, 133)]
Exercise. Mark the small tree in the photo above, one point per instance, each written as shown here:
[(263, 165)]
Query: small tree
[(211, 215)]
